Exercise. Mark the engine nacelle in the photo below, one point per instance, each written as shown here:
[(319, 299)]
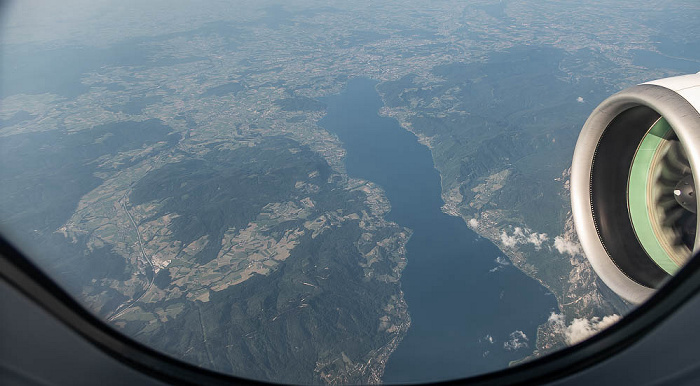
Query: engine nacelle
[(633, 194)]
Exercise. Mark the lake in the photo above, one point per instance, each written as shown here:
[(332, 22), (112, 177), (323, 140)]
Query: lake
[(470, 314)]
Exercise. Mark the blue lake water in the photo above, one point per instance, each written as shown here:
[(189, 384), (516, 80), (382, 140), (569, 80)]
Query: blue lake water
[(455, 302)]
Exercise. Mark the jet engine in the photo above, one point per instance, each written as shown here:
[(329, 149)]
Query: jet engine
[(633, 191)]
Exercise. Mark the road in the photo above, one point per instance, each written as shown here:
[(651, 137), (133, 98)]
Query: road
[(145, 258)]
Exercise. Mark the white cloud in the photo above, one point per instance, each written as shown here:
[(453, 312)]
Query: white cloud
[(518, 232), (537, 239), (508, 241), (489, 338), (517, 340), (500, 260), (556, 319), (581, 329), (579, 100), (523, 236), (566, 246), (473, 222)]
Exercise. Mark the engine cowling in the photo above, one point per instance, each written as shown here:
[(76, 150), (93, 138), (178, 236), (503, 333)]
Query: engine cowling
[(633, 193)]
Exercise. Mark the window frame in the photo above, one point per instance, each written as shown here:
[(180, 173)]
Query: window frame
[(22, 274)]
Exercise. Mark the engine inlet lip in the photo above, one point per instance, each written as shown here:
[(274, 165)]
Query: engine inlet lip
[(684, 119)]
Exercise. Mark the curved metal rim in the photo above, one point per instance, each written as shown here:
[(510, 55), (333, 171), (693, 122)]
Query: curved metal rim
[(685, 120)]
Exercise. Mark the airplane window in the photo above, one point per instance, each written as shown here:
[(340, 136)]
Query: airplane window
[(346, 192)]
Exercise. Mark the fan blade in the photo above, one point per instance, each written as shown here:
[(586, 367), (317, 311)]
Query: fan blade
[(668, 179), (672, 215), (676, 160), (666, 201)]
